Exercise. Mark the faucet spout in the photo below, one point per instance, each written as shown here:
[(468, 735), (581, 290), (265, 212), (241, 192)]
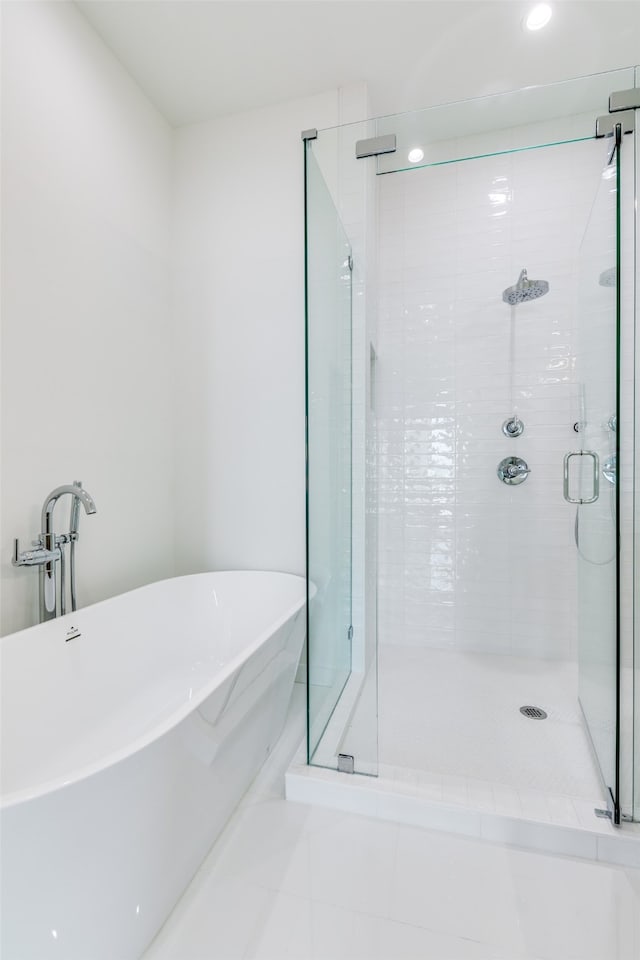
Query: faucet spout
[(85, 499), (48, 586)]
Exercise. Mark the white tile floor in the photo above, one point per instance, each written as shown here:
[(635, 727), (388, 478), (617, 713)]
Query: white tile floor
[(458, 715), (288, 880)]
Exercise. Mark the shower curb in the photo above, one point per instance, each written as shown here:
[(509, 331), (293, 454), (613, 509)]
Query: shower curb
[(383, 800)]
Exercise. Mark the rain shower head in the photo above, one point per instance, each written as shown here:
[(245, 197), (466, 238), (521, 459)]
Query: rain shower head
[(525, 289)]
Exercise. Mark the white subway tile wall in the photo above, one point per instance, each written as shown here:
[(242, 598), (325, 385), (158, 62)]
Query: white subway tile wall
[(465, 561)]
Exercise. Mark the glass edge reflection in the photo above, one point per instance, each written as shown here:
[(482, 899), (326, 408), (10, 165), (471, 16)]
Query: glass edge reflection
[(632, 70)]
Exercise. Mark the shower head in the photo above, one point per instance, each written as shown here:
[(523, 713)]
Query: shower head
[(525, 289)]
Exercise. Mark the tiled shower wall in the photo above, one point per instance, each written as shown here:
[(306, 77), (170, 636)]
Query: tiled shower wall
[(465, 561)]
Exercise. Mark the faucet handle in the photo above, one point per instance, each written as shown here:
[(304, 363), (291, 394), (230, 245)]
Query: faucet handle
[(33, 558), (513, 470)]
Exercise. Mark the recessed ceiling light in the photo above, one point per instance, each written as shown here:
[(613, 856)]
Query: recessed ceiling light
[(538, 17), (415, 155)]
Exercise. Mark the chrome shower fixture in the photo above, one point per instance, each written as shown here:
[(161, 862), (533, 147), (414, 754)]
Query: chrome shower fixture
[(49, 549), (525, 289), (513, 470), (513, 427)]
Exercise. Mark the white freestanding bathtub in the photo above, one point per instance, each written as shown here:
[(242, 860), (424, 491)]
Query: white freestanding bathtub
[(130, 731)]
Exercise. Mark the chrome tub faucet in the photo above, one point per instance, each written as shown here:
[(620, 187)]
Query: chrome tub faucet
[(49, 548)]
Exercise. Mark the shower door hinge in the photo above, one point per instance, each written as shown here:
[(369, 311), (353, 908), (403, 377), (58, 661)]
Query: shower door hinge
[(350, 633), (346, 763), (311, 134), (617, 143), (612, 811), (622, 107), (607, 123), (350, 263)]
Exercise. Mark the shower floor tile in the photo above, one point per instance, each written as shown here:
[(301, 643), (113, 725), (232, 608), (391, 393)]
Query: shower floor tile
[(453, 722)]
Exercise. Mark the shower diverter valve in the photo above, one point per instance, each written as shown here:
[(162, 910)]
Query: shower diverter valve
[(513, 470)]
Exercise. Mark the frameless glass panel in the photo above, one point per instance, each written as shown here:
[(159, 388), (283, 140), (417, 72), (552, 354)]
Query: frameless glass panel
[(625, 476), (524, 119), (635, 667), (328, 359), (344, 722), (428, 283), (593, 474), (503, 123)]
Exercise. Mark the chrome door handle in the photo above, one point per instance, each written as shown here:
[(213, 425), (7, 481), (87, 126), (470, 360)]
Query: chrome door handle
[(596, 476)]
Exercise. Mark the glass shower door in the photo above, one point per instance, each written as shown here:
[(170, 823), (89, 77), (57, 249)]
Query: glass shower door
[(591, 475), (329, 456)]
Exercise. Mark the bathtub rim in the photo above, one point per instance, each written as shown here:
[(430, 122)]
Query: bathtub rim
[(175, 717)]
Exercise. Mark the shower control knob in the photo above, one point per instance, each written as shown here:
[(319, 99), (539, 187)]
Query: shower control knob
[(513, 427), (33, 558), (513, 470)]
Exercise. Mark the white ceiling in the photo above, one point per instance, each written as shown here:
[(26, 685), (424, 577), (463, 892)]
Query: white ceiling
[(197, 59)]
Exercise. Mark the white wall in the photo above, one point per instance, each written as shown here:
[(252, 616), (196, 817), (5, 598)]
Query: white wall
[(239, 314), (109, 375), (465, 561), (87, 389)]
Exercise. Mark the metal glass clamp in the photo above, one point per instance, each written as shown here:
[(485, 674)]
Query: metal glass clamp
[(596, 476), (607, 123), (346, 763), (624, 100), (617, 142), (375, 146)]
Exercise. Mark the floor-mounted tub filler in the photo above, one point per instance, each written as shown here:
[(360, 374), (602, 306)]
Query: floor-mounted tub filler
[(131, 729)]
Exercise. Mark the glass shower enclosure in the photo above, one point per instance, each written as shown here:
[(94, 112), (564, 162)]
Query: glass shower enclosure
[(597, 497), (479, 579), (329, 452)]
